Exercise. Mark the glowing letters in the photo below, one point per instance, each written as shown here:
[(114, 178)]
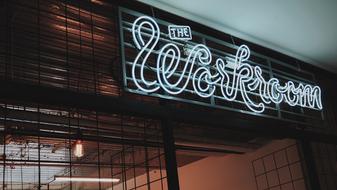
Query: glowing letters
[(232, 78), (179, 32)]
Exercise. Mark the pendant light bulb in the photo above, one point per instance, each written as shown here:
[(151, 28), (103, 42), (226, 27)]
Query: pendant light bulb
[(78, 151)]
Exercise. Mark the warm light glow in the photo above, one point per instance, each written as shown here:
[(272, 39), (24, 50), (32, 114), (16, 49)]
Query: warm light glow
[(83, 33), (97, 1), (78, 151), (85, 179), (87, 14), (69, 20)]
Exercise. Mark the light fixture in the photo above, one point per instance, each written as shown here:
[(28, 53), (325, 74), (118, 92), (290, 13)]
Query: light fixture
[(85, 179), (78, 150)]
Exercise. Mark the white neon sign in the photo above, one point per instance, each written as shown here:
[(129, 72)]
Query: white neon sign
[(232, 78), (177, 32)]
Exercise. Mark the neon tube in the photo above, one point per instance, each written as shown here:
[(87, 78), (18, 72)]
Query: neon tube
[(245, 80)]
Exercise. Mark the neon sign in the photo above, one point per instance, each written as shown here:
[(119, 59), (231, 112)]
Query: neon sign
[(233, 78), (177, 32)]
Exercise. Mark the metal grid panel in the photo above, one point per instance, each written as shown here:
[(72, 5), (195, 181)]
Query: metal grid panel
[(38, 142), (281, 169), (219, 49)]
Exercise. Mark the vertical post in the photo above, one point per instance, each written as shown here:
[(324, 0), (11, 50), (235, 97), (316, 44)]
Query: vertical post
[(170, 155), (310, 165), (98, 151), (4, 157), (8, 37), (70, 149), (39, 146)]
